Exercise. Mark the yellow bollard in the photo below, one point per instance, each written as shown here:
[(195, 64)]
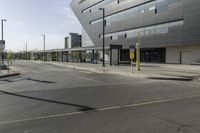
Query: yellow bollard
[(138, 57)]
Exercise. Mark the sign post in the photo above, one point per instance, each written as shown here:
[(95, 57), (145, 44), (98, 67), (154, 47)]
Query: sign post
[(132, 56), (2, 47), (2, 44)]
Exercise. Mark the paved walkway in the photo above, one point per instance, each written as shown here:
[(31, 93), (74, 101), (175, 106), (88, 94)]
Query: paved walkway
[(159, 71)]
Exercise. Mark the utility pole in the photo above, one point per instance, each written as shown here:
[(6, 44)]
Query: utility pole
[(2, 54), (26, 51), (103, 10), (44, 41)]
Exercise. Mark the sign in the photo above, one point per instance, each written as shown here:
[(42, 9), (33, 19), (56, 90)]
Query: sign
[(132, 52), (2, 44)]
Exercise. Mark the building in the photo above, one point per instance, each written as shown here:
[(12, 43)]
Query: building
[(169, 30), (86, 40), (73, 40)]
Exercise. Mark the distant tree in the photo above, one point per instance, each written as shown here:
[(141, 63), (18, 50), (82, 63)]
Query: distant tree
[(10, 55)]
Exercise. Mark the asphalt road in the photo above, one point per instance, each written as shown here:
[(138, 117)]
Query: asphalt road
[(51, 99)]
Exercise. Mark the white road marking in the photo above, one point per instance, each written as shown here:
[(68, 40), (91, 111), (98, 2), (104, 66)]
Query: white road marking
[(102, 109)]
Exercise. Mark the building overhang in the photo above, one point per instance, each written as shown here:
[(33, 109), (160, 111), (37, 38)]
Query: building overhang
[(70, 49)]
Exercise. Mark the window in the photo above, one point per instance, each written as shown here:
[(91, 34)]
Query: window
[(162, 30), (125, 35), (146, 31), (114, 36), (152, 8), (129, 34), (128, 13)]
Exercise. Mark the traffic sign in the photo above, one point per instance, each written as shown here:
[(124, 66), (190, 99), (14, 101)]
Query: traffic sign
[(2, 44), (132, 52)]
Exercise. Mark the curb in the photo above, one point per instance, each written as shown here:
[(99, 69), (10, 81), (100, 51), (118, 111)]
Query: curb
[(9, 75), (136, 74), (75, 67)]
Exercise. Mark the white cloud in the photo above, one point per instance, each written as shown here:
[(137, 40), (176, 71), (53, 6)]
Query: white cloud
[(62, 7)]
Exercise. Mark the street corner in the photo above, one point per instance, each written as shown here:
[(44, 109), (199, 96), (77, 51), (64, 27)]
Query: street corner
[(10, 72)]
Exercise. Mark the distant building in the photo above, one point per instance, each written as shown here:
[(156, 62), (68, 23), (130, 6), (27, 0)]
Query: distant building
[(73, 40), (66, 42)]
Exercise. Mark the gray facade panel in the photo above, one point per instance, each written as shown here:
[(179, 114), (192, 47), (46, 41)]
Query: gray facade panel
[(165, 11)]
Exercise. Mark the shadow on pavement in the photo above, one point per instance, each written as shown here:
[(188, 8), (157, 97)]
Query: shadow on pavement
[(151, 66), (182, 76), (41, 81), (81, 107), (174, 79), (30, 79)]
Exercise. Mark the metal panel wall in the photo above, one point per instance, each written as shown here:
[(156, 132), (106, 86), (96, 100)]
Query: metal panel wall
[(166, 11)]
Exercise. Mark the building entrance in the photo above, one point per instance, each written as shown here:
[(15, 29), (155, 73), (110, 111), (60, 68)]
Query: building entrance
[(114, 54)]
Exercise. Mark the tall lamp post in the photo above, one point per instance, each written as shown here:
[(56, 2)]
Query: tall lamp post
[(2, 54), (44, 39), (26, 51), (103, 10)]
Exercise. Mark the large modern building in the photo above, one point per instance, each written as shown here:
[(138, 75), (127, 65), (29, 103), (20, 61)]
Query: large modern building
[(169, 30), (73, 40)]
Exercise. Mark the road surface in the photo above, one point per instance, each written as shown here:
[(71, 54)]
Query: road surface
[(53, 99)]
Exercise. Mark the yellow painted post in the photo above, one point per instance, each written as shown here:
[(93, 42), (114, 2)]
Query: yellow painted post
[(138, 54), (138, 57)]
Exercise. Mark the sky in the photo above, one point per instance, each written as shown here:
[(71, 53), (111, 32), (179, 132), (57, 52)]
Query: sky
[(27, 20)]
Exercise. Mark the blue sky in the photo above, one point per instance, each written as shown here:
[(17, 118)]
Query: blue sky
[(27, 20)]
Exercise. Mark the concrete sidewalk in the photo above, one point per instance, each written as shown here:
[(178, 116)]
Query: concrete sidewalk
[(151, 71), (9, 73)]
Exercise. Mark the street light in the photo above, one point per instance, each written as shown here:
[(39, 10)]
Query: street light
[(26, 51), (44, 39), (2, 20), (103, 10)]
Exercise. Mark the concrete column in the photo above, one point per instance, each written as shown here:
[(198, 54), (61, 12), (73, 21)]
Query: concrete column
[(62, 57), (110, 57), (93, 57), (118, 57), (57, 56), (67, 56), (80, 56)]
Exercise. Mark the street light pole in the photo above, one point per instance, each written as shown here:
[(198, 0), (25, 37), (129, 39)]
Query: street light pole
[(2, 54), (44, 41), (26, 51), (103, 10)]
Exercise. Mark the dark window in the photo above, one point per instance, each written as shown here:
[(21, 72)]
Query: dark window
[(105, 22), (125, 35)]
